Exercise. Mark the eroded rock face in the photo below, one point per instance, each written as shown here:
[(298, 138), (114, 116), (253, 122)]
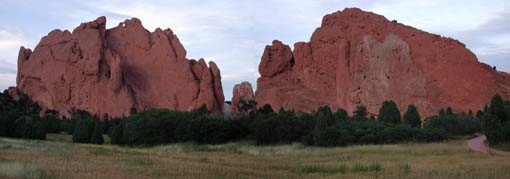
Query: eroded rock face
[(276, 59), (359, 57), (241, 92), (110, 71)]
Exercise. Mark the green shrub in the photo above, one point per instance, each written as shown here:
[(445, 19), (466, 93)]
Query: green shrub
[(68, 125), (204, 130), (83, 131), (30, 128), (20, 118), (115, 134), (266, 109), (97, 134), (144, 128), (453, 124), (159, 126), (282, 127), (53, 124)]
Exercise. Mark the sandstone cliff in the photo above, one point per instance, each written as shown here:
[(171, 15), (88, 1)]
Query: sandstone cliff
[(359, 57), (110, 71)]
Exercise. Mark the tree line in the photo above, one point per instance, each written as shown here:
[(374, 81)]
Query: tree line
[(20, 118)]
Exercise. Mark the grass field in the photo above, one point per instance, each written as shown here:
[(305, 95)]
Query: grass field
[(59, 158)]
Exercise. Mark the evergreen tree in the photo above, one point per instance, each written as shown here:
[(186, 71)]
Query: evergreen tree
[(30, 128), (97, 134), (117, 132), (470, 113), (105, 125), (479, 114), (341, 114), (389, 113), (82, 132), (202, 110), (266, 109), (442, 112), (449, 111), (324, 121), (133, 111), (495, 122), (497, 108), (412, 117), (360, 113), (38, 131)]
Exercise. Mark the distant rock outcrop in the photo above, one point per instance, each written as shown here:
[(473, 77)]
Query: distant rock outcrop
[(241, 92), (110, 71), (361, 58)]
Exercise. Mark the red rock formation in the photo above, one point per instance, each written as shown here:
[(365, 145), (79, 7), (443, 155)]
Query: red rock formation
[(241, 92), (112, 70), (359, 57)]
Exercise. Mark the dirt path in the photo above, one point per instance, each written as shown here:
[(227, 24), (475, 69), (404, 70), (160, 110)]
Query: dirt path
[(477, 144)]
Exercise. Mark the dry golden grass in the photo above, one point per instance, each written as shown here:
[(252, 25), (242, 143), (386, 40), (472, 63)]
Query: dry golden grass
[(58, 158)]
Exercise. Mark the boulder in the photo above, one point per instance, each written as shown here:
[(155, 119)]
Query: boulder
[(241, 92)]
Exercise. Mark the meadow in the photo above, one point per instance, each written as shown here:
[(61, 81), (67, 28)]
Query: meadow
[(58, 157)]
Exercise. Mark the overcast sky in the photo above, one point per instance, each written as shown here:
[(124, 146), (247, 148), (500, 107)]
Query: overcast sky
[(233, 33)]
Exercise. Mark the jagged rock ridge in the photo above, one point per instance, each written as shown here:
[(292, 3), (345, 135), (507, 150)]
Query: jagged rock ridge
[(361, 58), (110, 71)]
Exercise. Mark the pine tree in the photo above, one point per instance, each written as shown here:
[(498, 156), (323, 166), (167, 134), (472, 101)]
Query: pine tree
[(389, 113), (202, 110), (341, 114), (324, 121), (495, 121), (412, 117), (266, 109), (81, 133), (449, 111), (97, 134), (117, 132), (442, 112), (360, 113), (133, 111)]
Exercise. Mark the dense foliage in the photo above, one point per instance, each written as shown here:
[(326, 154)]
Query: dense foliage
[(324, 128), (20, 118), (281, 127), (496, 122), (337, 130), (87, 128), (83, 131), (165, 126), (455, 124)]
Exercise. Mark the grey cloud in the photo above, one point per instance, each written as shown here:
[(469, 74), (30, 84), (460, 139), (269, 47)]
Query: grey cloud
[(490, 41)]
